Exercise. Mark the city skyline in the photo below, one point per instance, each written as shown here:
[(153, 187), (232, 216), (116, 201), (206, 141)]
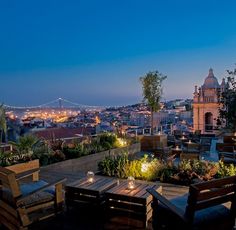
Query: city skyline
[(93, 52)]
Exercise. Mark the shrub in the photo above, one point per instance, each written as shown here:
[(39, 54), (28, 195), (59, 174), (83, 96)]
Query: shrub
[(57, 144), (133, 168), (152, 173), (44, 158), (107, 140), (120, 164), (43, 153), (191, 171), (71, 153), (121, 167), (167, 172), (114, 165), (57, 156), (5, 159), (107, 166), (225, 170)]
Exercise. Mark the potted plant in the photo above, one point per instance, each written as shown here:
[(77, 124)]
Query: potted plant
[(152, 92)]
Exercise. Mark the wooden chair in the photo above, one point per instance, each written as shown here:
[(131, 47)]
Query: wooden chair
[(24, 201), (193, 147), (205, 143), (164, 153), (225, 147), (208, 205)]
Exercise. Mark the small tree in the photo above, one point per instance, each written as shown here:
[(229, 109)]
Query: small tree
[(152, 91), (3, 122), (227, 100)]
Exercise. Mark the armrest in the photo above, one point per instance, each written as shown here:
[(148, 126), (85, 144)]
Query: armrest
[(25, 174), (167, 203), (22, 198)]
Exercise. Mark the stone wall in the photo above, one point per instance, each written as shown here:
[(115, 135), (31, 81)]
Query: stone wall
[(89, 162)]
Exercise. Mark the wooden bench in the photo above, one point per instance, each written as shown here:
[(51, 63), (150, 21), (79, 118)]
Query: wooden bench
[(208, 205)]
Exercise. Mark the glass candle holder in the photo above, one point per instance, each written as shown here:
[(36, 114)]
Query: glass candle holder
[(90, 176), (131, 182)]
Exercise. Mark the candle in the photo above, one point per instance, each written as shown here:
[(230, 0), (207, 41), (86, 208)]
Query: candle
[(131, 182), (90, 176)]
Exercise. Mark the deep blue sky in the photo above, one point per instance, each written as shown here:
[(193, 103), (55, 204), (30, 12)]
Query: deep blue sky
[(94, 51)]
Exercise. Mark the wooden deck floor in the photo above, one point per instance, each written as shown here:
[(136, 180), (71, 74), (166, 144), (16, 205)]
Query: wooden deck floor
[(87, 218)]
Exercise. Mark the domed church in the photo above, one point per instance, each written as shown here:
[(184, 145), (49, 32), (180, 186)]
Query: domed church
[(206, 104)]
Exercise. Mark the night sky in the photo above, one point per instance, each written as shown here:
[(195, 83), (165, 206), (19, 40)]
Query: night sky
[(94, 51)]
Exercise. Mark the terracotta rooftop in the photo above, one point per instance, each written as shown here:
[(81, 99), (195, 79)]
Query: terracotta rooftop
[(63, 133)]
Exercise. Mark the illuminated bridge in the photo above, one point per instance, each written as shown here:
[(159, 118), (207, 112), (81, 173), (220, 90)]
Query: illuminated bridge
[(58, 103)]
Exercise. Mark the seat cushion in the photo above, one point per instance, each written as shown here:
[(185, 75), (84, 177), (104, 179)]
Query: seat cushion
[(204, 218), (37, 198), (26, 188)]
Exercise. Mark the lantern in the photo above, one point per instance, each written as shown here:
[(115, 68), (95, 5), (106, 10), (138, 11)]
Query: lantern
[(131, 182), (90, 176)]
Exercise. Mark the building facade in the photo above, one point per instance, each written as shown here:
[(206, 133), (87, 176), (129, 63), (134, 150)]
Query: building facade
[(206, 104)]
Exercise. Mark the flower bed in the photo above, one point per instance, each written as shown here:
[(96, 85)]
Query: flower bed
[(30, 147), (149, 168)]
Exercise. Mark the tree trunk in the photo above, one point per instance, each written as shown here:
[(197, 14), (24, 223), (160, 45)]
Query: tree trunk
[(6, 137), (1, 137), (152, 125)]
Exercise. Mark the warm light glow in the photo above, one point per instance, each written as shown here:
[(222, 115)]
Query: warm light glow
[(177, 147), (131, 182), (159, 133), (189, 141), (144, 167), (90, 176), (56, 116), (235, 134), (122, 142), (97, 120)]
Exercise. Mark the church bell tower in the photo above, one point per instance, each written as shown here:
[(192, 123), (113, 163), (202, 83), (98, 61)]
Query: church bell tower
[(206, 104)]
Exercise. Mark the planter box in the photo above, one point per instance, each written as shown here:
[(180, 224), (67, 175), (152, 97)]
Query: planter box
[(89, 162), (153, 142)]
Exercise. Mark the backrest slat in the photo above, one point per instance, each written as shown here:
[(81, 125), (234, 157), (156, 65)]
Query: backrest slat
[(211, 193), (4, 176), (216, 183), (26, 166), (213, 202), (215, 192), (8, 180), (22, 167)]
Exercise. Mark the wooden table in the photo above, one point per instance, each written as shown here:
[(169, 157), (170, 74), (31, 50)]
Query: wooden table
[(89, 192), (133, 203)]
